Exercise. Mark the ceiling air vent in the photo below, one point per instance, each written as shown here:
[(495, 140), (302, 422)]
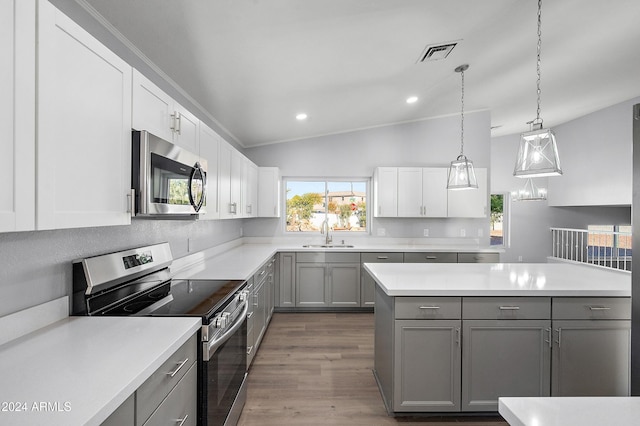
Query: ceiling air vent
[(436, 52)]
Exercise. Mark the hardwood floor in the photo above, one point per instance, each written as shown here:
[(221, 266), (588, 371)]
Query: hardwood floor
[(316, 369)]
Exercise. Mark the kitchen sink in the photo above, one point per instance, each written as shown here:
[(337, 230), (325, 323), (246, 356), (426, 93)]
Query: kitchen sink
[(327, 246)]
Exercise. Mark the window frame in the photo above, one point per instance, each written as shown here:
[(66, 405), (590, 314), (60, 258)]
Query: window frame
[(506, 220), (326, 180)]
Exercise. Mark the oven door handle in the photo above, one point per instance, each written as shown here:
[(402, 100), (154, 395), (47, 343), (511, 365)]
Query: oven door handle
[(215, 344)]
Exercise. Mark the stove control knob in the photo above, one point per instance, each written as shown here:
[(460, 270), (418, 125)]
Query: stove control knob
[(243, 296), (221, 320)]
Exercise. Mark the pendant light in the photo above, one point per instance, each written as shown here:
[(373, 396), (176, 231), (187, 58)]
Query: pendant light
[(538, 151), (461, 173), (530, 192)]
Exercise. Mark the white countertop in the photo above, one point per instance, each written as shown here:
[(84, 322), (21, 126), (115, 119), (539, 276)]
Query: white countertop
[(498, 279), (570, 411), (242, 261), (83, 368)]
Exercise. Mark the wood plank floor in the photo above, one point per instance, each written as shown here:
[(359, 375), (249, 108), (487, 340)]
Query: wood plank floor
[(316, 369)]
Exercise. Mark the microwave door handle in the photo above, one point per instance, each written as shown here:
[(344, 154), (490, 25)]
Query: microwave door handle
[(197, 169)]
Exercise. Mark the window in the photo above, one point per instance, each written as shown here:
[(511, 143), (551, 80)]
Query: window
[(343, 204), (610, 245), (498, 231)]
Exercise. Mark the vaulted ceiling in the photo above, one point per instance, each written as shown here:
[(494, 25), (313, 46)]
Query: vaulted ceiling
[(351, 64)]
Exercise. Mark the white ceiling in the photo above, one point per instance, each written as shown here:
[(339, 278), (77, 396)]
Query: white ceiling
[(350, 64)]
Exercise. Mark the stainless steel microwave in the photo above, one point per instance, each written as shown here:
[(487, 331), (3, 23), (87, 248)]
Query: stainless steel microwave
[(167, 180)]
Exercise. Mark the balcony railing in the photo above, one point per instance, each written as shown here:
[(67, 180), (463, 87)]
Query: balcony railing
[(609, 249)]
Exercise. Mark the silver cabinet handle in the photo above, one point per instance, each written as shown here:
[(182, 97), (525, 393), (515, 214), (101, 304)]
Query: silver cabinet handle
[(429, 307), (431, 257), (559, 331), (600, 308), (383, 257), (458, 336), (550, 340), (180, 365), (509, 308), (262, 273), (249, 315), (182, 420), (249, 349)]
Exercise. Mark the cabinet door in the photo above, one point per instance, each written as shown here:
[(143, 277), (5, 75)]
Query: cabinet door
[(311, 288), (470, 202), (287, 277), (152, 108), (269, 192), (434, 192), (344, 284), (385, 192), (84, 127), (591, 358), (410, 192), (368, 286), (224, 180), (427, 365), (250, 187), (209, 150), (186, 130), (17, 111), (259, 313), (504, 358), (125, 414), (237, 167)]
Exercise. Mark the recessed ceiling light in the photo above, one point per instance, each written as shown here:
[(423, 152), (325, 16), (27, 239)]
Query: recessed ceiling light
[(301, 116), (412, 99)]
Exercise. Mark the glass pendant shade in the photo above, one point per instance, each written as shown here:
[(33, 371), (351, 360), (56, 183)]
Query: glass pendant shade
[(461, 174), (530, 192), (537, 155)]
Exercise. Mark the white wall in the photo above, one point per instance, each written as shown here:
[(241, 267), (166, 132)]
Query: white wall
[(433, 142), (595, 153)]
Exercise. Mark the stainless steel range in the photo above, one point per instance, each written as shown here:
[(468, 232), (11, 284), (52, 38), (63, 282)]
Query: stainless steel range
[(137, 282)]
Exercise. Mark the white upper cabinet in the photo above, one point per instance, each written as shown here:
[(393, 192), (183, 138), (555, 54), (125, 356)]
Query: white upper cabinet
[(470, 202), (422, 192), (209, 150), (157, 113), (17, 113), (83, 127), (385, 192), (434, 192), (230, 171), (250, 188), (268, 192)]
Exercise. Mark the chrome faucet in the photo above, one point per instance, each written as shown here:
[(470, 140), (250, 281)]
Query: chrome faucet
[(325, 224)]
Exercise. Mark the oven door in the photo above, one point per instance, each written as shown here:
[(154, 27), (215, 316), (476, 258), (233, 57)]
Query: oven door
[(168, 179), (224, 372)]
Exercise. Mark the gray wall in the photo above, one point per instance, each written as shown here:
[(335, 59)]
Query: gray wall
[(434, 142), (35, 267)]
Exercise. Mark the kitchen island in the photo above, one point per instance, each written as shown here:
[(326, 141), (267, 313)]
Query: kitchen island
[(456, 337)]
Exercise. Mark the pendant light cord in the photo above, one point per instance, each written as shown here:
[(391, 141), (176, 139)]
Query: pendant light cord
[(462, 116), (538, 119)]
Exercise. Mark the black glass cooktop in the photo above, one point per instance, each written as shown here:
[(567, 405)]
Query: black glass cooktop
[(197, 297), (170, 298)]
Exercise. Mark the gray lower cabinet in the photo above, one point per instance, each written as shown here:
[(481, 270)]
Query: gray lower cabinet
[(260, 288), (286, 294), (430, 257), (478, 257), (592, 347), (504, 358), (427, 365), (327, 279), (368, 284)]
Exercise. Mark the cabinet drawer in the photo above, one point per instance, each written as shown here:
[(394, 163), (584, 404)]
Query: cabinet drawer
[(478, 257), (261, 275), (428, 307), (592, 308), (507, 308), (180, 406), (325, 257), (430, 257), (381, 257), (157, 387)]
